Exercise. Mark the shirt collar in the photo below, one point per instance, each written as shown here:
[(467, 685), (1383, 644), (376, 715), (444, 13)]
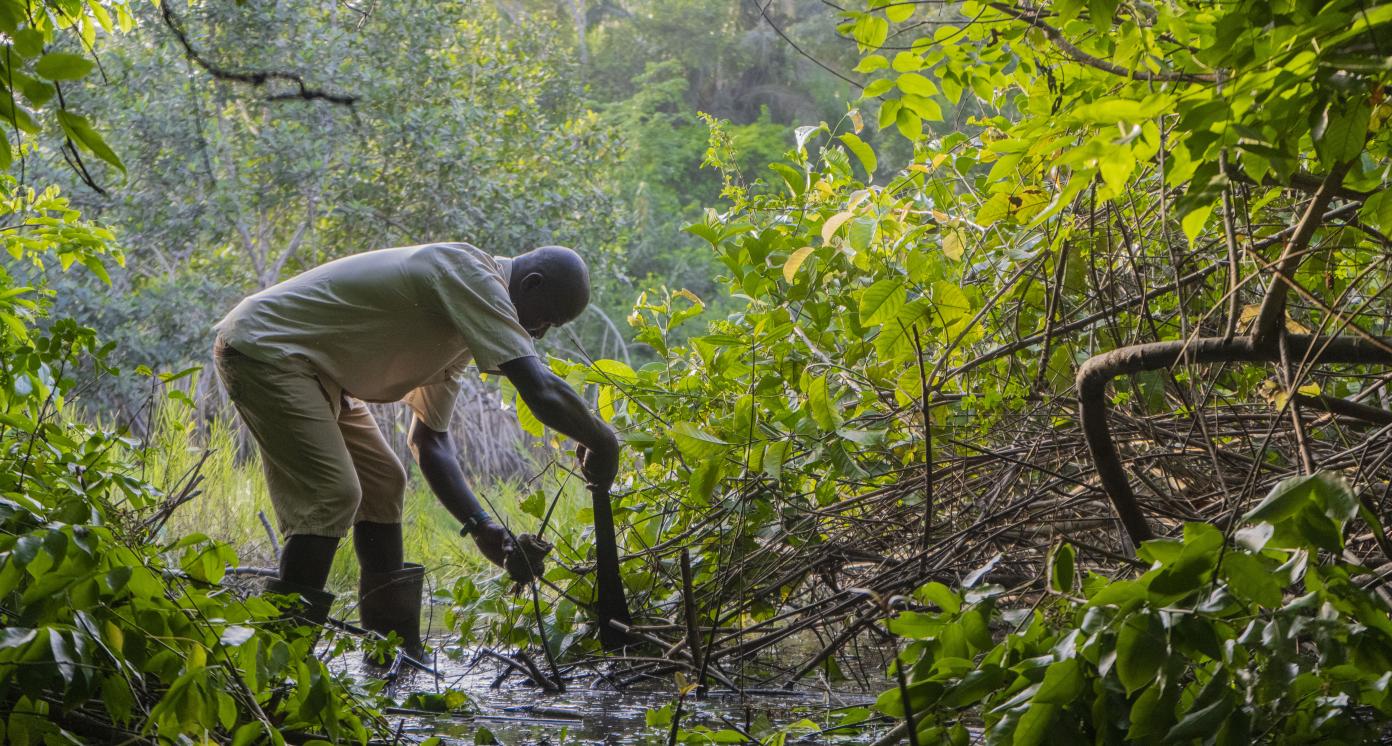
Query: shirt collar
[(505, 264)]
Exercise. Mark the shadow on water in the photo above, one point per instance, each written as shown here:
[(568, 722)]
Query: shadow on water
[(517, 713)]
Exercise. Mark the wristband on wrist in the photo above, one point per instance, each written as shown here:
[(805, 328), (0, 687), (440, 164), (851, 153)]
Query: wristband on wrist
[(473, 523)]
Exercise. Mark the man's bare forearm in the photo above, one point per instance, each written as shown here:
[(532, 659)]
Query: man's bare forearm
[(557, 405), (435, 453)]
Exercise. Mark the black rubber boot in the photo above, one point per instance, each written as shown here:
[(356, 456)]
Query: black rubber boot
[(391, 602), (312, 608)]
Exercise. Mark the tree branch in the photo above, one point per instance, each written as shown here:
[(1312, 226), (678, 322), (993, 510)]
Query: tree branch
[(254, 78), (1031, 16), (1273, 308)]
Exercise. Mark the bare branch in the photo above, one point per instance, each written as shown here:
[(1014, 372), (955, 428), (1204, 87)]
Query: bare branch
[(255, 78)]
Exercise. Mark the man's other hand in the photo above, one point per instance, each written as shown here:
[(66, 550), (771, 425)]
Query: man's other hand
[(599, 465), (494, 542)]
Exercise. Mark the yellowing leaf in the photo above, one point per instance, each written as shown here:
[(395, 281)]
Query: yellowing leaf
[(856, 121), (833, 223), (1248, 315), (795, 260), (687, 294), (952, 245)]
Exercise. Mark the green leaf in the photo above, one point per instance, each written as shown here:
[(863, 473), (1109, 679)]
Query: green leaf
[(870, 63), (1061, 568), (916, 84), (881, 302), (877, 88), (795, 261), (907, 62), (899, 12), (1141, 649), (81, 132), (889, 113), (1327, 491), (1200, 723), (1248, 577), (1193, 222), (1063, 683), (63, 66), (704, 477), (28, 42), (909, 124), (863, 152), (822, 405), (695, 443), (615, 371), (1341, 131), (940, 595), (1034, 725), (12, 637)]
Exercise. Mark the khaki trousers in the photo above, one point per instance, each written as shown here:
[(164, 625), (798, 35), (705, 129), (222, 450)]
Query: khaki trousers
[(327, 465)]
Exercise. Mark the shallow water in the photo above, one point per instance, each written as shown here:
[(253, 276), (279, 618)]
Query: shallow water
[(517, 713)]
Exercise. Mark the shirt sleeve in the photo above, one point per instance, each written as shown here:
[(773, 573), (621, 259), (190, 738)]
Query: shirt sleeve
[(467, 286), (433, 403)]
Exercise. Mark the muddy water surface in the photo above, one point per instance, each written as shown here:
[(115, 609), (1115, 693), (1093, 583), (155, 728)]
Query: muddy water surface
[(517, 714)]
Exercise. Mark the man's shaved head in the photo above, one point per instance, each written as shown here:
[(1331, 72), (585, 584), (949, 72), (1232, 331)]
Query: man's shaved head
[(550, 286)]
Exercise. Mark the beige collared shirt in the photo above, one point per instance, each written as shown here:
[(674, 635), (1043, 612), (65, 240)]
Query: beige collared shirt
[(388, 325)]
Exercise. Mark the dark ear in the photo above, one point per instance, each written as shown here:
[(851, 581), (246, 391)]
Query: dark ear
[(531, 281)]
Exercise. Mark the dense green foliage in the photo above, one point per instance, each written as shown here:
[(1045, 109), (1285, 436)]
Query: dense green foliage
[(1085, 177), (108, 629), (1253, 640)]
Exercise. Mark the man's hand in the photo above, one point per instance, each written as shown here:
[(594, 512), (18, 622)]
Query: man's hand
[(527, 560), (599, 465), (494, 541)]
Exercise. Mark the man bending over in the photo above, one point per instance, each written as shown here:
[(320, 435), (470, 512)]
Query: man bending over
[(299, 360)]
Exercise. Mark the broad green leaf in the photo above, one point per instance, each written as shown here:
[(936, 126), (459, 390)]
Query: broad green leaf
[(615, 371), (1194, 221), (81, 132), (909, 124), (695, 443), (1034, 725), (953, 245), (939, 594), (881, 301), (877, 88), (1248, 577), (12, 637), (907, 62), (899, 12), (529, 422), (1062, 684), (863, 152), (1327, 491), (871, 62), (916, 84), (1342, 129), (1141, 649), (63, 66), (1061, 575), (822, 405)]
